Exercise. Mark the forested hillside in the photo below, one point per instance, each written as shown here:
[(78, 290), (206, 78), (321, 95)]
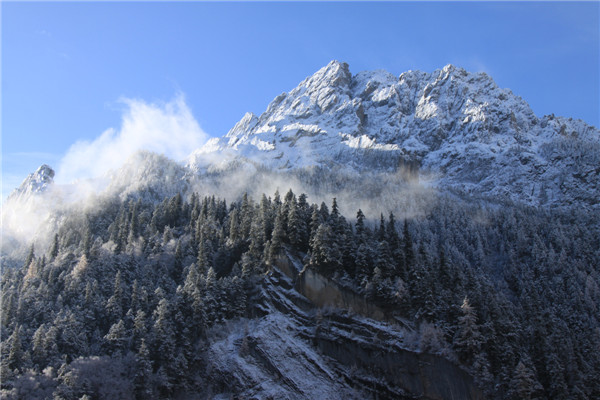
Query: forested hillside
[(126, 301)]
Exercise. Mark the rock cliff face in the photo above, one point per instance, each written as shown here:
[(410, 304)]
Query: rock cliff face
[(460, 128), (357, 355)]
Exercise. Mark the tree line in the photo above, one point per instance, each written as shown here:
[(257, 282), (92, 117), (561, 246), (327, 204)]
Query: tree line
[(126, 293)]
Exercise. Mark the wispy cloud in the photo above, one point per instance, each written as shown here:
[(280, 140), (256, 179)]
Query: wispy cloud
[(166, 128)]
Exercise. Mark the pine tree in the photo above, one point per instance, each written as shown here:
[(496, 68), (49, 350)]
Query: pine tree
[(303, 212), (195, 209), (134, 229), (114, 305), (360, 227), (86, 245), (324, 213), (257, 237), (204, 259), (39, 354), (135, 301), (266, 217), (72, 341), (246, 216), (315, 221), (30, 257), (409, 255), (234, 226), (80, 271), (325, 253), (381, 232), (288, 203), (210, 299), (384, 260), (54, 249), (140, 329), (468, 339), (15, 354), (178, 263), (143, 374), (277, 238), (335, 213), (363, 262), (297, 228), (395, 247), (116, 339), (163, 334), (276, 201), (524, 384)]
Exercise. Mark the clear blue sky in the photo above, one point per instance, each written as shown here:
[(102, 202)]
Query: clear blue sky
[(66, 65)]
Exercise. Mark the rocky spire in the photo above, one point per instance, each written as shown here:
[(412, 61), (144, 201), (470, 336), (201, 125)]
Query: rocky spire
[(35, 183)]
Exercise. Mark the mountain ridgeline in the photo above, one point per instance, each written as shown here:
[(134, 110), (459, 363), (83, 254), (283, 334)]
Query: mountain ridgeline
[(458, 129), (432, 239)]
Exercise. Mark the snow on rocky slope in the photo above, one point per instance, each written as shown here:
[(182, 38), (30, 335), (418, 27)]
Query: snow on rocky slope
[(459, 127), (35, 183), (293, 350)]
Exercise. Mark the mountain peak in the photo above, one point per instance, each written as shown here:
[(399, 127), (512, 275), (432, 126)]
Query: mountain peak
[(334, 75), (451, 68), (44, 172), (454, 124), (35, 183), (248, 121), (338, 67)]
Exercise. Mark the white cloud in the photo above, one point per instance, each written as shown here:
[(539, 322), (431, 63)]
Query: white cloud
[(166, 128)]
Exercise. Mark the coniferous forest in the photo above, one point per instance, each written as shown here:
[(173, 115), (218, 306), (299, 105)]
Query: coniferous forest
[(124, 301)]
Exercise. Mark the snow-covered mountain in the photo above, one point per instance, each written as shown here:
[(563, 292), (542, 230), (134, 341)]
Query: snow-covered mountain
[(35, 183), (458, 128)]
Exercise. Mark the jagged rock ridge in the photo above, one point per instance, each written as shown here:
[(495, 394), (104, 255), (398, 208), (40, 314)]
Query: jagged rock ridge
[(458, 127), (35, 183)]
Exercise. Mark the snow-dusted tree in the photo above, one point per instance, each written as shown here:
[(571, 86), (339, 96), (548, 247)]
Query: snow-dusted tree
[(297, 227), (325, 253), (117, 339), (114, 305), (30, 256), (468, 339), (277, 238), (143, 373), (14, 358), (140, 329), (524, 384), (163, 336), (54, 249)]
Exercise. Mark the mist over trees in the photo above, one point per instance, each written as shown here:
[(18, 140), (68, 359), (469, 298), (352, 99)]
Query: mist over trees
[(121, 304)]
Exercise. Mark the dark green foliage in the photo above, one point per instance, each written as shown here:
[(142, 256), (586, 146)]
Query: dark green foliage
[(514, 292)]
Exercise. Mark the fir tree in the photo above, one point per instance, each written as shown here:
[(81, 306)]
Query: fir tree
[(54, 249), (143, 374), (277, 238), (30, 257), (114, 305), (524, 385), (116, 338), (468, 338)]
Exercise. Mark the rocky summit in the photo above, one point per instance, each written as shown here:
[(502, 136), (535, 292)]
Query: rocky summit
[(35, 183), (459, 128)]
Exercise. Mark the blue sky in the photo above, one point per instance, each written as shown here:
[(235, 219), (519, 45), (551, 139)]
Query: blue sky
[(66, 67)]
